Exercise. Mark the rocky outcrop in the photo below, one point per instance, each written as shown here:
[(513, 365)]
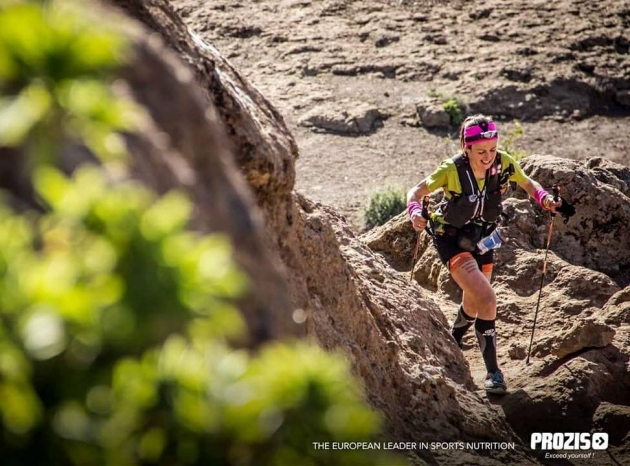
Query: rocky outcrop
[(356, 119), (594, 237), (615, 420), (433, 115)]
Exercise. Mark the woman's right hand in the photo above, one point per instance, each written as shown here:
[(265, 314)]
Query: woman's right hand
[(418, 221)]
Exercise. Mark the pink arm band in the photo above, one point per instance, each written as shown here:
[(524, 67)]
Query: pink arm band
[(412, 207), (540, 195)]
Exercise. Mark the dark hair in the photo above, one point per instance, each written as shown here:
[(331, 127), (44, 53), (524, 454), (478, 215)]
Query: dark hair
[(473, 120)]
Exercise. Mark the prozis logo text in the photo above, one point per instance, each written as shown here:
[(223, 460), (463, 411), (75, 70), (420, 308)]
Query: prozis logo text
[(568, 441)]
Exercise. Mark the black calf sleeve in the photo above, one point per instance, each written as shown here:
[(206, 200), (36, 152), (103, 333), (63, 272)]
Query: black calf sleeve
[(485, 330), (461, 325)]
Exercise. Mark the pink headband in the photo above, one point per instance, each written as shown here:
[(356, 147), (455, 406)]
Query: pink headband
[(476, 133)]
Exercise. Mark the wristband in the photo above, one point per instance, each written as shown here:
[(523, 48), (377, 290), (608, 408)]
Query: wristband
[(413, 207), (540, 195)]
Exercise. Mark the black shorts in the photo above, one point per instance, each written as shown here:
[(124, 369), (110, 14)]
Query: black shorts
[(447, 248)]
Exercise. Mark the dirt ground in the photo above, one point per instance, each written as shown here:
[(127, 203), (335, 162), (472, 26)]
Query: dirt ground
[(561, 68)]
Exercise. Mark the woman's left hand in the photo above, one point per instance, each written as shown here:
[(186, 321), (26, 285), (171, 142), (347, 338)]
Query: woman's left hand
[(551, 204)]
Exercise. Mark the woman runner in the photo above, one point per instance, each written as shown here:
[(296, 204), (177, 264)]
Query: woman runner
[(473, 182)]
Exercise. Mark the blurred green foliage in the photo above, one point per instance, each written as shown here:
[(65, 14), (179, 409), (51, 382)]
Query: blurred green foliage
[(117, 323), (54, 65), (383, 206), (115, 336)]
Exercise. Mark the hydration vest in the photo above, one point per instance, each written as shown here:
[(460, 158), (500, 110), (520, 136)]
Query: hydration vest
[(472, 203)]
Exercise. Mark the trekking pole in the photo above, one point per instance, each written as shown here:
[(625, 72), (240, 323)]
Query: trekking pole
[(556, 196), (425, 214)]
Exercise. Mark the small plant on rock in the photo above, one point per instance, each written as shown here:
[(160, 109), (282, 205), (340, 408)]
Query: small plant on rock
[(383, 206), (454, 106)]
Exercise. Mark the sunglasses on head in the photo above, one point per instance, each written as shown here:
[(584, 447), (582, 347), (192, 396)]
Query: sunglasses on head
[(483, 135)]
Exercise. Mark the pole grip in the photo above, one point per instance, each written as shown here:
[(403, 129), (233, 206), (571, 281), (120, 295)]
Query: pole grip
[(425, 207), (556, 192), (556, 196)]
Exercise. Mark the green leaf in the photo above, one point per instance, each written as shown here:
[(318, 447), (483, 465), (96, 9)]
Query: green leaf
[(19, 115), (51, 184), (168, 215)]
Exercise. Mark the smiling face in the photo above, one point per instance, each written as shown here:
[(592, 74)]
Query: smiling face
[(481, 155)]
